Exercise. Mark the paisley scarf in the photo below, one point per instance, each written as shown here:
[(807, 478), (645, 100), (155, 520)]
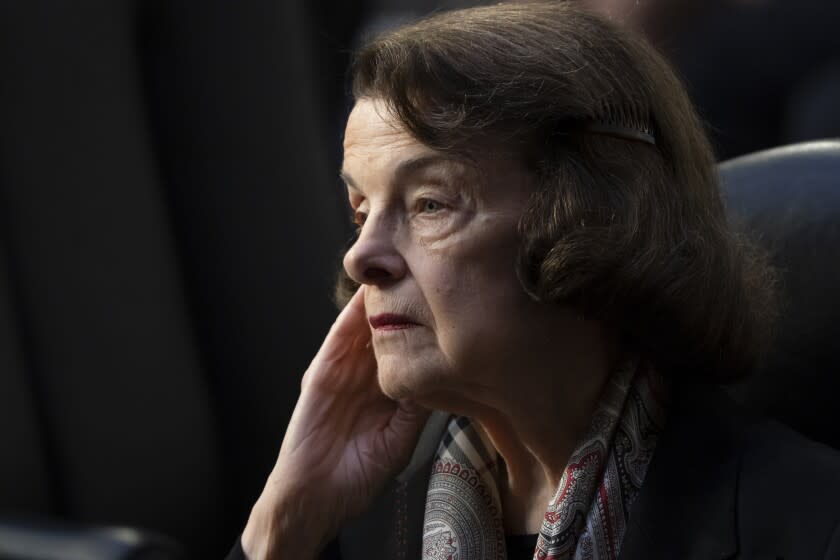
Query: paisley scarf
[(587, 517)]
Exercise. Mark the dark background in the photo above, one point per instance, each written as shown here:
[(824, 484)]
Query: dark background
[(171, 221)]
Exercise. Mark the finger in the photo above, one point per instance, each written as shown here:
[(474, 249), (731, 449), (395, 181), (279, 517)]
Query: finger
[(403, 430), (409, 413), (352, 317), (349, 331)]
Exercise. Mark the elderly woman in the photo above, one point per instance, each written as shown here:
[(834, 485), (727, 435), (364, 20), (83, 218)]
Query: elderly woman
[(543, 260)]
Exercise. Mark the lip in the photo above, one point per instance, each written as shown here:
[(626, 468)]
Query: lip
[(390, 322)]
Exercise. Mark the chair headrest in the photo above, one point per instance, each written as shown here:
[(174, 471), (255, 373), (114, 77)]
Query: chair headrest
[(789, 199)]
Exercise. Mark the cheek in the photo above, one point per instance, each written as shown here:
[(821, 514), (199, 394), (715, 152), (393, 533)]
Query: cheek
[(479, 269), (445, 292), (473, 294)]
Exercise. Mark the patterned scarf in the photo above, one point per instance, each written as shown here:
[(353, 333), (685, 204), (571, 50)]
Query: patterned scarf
[(587, 517)]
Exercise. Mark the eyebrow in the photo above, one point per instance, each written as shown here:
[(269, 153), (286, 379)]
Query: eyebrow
[(411, 166)]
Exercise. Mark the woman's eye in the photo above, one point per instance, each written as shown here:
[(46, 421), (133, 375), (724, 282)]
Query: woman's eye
[(429, 206)]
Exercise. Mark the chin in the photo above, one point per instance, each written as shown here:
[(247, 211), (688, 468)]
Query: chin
[(400, 381)]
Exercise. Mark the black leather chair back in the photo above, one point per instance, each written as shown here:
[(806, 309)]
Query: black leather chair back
[(789, 198)]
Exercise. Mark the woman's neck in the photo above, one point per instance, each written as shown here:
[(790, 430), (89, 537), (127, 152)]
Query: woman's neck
[(535, 421), (535, 429), (531, 464)]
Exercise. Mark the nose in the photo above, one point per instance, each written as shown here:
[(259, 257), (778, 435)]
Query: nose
[(373, 258)]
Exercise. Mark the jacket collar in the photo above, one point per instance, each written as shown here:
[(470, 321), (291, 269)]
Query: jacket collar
[(686, 507)]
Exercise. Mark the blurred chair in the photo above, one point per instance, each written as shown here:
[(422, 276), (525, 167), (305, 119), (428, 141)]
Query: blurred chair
[(789, 197), (169, 231), (48, 540)]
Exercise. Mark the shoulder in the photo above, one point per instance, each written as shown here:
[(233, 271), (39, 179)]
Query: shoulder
[(771, 450), (763, 448), (788, 491), (737, 482), (787, 486)]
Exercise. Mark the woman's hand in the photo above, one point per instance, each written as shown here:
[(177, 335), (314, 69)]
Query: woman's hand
[(344, 442)]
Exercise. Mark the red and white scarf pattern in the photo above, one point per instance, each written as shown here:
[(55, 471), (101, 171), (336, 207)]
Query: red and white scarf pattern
[(587, 517)]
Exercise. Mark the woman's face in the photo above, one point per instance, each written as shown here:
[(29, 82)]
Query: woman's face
[(436, 250)]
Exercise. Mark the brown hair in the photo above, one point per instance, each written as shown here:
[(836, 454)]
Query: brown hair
[(626, 232)]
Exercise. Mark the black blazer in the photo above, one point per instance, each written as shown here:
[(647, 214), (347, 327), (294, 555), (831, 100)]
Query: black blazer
[(722, 484)]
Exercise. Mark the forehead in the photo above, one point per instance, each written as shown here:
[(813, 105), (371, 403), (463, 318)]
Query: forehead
[(376, 144), (370, 119)]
